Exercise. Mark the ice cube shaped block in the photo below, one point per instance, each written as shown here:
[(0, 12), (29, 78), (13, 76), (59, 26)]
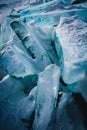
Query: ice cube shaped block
[(71, 45)]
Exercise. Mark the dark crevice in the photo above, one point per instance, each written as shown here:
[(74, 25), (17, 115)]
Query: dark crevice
[(3, 6), (58, 99), (62, 82), (3, 73), (29, 122), (82, 105), (31, 54), (79, 1)]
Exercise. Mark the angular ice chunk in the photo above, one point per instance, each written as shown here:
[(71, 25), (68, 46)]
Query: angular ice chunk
[(44, 35), (50, 6), (53, 17), (71, 45), (26, 108), (15, 61), (36, 52), (8, 87), (6, 33), (11, 93), (46, 99)]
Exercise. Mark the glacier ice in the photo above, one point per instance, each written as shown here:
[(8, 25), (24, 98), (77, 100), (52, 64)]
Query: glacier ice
[(71, 45), (16, 106), (17, 63), (47, 93), (43, 65), (6, 32), (11, 92), (31, 43), (11, 59), (50, 6), (53, 17), (26, 108), (50, 13), (8, 87)]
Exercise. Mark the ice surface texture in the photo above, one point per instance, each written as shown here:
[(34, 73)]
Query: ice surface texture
[(47, 92), (71, 45), (43, 65)]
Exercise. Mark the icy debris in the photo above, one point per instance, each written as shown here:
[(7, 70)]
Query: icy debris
[(46, 99), (71, 45)]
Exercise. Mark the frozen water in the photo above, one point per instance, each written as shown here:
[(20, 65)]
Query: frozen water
[(11, 92), (25, 33), (17, 63), (15, 106), (12, 59), (43, 56), (47, 93), (26, 108), (71, 45)]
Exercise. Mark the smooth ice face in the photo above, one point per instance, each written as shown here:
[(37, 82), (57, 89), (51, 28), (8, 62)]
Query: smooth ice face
[(71, 45), (46, 99)]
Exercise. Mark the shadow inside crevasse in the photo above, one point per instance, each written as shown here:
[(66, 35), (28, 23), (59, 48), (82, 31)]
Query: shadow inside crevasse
[(79, 1), (82, 105)]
